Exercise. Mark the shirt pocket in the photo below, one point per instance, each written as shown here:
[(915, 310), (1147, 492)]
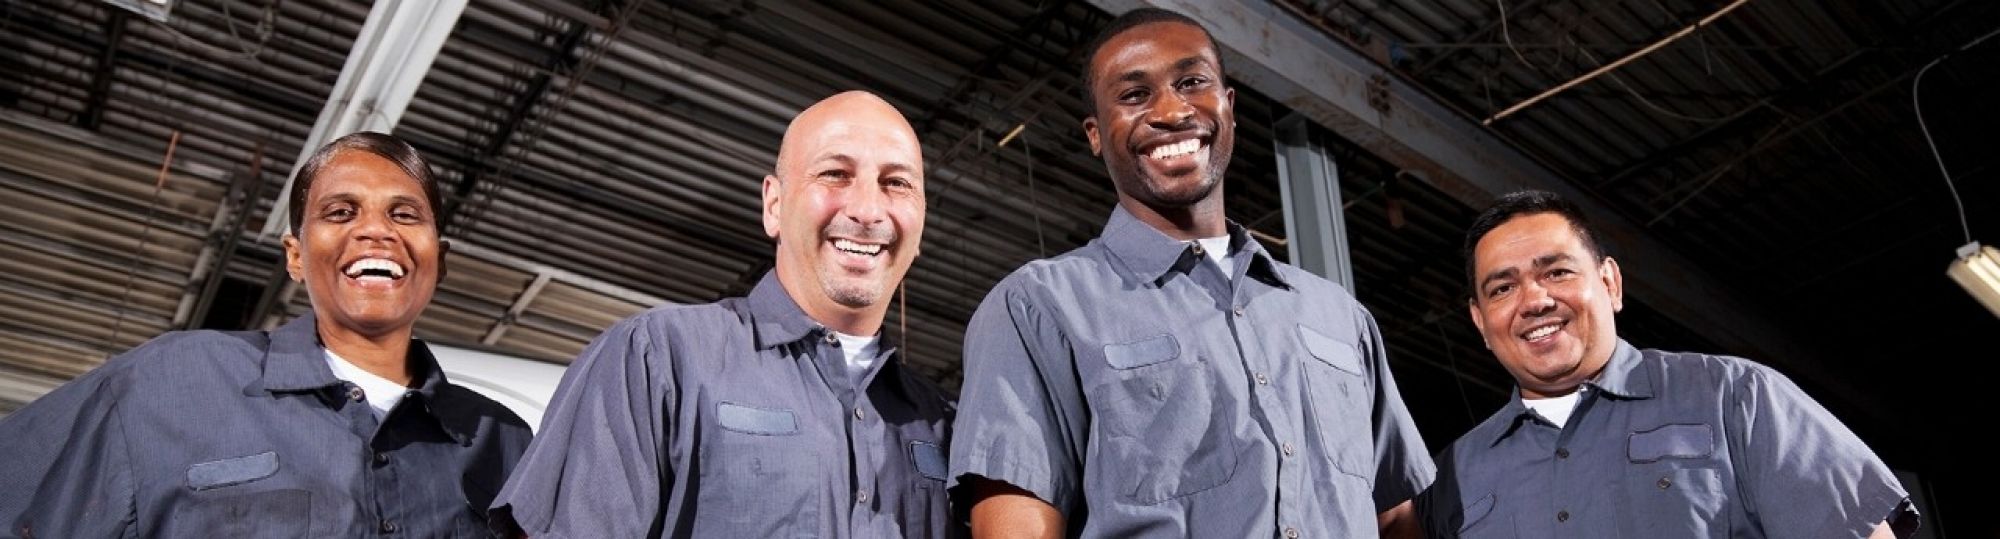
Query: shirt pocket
[(1340, 402), (1673, 486), (1167, 431), (759, 474), (260, 514)]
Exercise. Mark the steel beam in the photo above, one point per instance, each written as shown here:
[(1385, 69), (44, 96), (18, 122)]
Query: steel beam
[(1309, 183), (1268, 49)]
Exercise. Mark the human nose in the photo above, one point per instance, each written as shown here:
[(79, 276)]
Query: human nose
[(1173, 111), (373, 226), (1536, 300), (866, 203)]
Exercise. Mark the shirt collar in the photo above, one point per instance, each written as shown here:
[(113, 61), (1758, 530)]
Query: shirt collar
[(296, 363), (1146, 254), (776, 318), (1621, 378)]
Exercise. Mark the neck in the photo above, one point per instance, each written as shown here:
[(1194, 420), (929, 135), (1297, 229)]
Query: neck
[(385, 355), (1203, 219)]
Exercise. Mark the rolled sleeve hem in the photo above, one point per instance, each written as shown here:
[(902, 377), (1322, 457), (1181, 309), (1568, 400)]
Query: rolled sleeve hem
[(1025, 477)]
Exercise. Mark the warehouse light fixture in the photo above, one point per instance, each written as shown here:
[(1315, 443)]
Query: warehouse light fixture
[(1978, 270), (1977, 267)]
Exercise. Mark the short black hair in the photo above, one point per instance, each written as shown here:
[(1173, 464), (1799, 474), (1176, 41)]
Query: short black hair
[(381, 145), (1522, 203), (1129, 20)]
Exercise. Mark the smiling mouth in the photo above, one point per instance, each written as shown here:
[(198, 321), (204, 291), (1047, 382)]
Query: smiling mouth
[(1541, 333), (1177, 149), (857, 248), (374, 270)]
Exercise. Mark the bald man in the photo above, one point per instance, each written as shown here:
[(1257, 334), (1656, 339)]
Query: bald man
[(780, 414)]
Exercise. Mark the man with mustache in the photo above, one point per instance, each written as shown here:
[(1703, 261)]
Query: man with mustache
[(1170, 378), (780, 414), (1607, 440)]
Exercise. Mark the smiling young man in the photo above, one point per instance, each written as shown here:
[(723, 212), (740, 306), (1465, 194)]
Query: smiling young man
[(783, 414), (1170, 378), (337, 424), (1607, 440)]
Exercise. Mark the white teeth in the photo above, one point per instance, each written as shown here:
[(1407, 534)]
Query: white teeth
[(1176, 149), (857, 248), (383, 264), (1543, 331)]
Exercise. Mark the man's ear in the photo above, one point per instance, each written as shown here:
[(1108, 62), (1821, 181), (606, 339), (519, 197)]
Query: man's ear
[(1472, 308), (1090, 132), (295, 264), (773, 188), (1614, 283)]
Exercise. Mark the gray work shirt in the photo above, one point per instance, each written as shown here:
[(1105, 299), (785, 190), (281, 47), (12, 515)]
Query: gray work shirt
[(248, 434), (733, 419), (1142, 393), (1666, 444)]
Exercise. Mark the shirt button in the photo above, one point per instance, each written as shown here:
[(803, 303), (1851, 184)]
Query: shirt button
[(858, 414), (1664, 483), (355, 394), (1238, 311), (1291, 533), (1286, 448), (1562, 452), (381, 457), (1262, 380), (1562, 516), (861, 496), (832, 339), (1197, 248), (388, 526)]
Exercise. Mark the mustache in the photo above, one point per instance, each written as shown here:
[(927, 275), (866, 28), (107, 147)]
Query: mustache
[(846, 228)]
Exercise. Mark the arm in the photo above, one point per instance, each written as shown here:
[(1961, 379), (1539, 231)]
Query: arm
[(1002, 511), (1399, 522), (1014, 451), (66, 472), (1403, 464), (598, 465), (1802, 472)]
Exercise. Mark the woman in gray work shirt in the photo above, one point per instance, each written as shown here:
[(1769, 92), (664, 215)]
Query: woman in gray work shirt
[(337, 424)]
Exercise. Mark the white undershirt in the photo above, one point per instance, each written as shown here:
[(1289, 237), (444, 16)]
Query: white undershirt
[(382, 393), (1555, 409), (1217, 249), (860, 352)]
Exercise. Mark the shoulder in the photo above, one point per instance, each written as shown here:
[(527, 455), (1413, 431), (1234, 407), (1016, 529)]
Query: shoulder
[(180, 351), (1064, 269), (503, 420), (1314, 286), (1709, 370)]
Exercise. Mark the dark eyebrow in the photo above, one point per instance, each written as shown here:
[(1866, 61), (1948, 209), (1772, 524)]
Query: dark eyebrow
[(1190, 62), (898, 166), (843, 159), (1543, 261)]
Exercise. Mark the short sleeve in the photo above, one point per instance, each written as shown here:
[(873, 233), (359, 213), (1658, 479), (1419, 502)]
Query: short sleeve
[(1020, 416), (1804, 473), (598, 465), (66, 472), (1402, 463)]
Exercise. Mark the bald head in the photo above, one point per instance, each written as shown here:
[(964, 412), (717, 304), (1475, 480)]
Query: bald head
[(846, 206), (845, 112)]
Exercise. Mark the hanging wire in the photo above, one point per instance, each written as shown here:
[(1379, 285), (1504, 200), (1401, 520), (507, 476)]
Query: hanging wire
[(145, 233), (1916, 95)]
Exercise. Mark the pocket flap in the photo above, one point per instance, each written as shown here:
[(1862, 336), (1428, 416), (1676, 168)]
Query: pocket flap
[(754, 420), (234, 471), (1142, 352), (1475, 512), (929, 458), (1683, 441), (1338, 354)]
